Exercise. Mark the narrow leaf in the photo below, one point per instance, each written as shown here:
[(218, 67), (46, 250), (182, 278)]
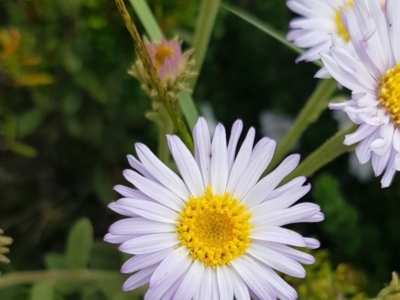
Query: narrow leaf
[(264, 27), (188, 107), (147, 18), (204, 26)]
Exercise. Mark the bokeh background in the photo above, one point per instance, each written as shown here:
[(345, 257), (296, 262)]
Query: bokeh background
[(70, 113)]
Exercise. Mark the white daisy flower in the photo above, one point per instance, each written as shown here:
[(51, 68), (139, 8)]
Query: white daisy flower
[(215, 232), (373, 76), (317, 20)]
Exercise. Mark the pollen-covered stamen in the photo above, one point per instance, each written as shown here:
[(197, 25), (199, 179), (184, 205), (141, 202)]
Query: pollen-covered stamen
[(163, 52), (339, 24), (389, 94), (216, 229)]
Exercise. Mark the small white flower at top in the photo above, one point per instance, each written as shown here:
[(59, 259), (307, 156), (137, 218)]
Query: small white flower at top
[(215, 231), (318, 20), (373, 76)]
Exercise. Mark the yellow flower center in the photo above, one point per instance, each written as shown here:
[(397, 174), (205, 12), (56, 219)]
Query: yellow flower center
[(216, 229), (339, 25), (163, 52), (389, 93)]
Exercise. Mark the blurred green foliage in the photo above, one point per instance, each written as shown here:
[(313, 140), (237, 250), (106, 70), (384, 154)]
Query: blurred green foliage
[(63, 145)]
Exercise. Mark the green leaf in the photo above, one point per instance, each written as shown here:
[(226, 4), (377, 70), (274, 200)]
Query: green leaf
[(23, 149), (188, 107), (42, 291), (55, 261), (79, 247), (103, 186), (9, 129), (101, 250), (268, 29), (147, 18), (30, 121), (204, 26), (338, 214)]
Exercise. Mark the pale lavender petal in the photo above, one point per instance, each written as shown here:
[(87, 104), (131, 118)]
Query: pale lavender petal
[(233, 140), (276, 260), (224, 283), (155, 190), (149, 243), (278, 235), (219, 161), (140, 278), (140, 226), (142, 261), (187, 166), (191, 281), (175, 262), (161, 172)]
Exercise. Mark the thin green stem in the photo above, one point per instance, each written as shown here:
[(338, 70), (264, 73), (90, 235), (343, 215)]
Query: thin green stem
[(313, 108), (147, 18), (264, 27), (152, 73), (204, 26), (57, 275), (331, 149)]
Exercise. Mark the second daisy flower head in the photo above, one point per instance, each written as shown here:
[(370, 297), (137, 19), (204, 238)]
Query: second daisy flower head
[(214, 232)]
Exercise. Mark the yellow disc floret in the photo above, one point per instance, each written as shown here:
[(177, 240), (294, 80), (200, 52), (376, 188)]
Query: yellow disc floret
[(216, 229), (339, 25), (163, 52), (389, 94)]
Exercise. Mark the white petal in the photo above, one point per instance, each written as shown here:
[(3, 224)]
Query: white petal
[(312, 243), (390, 171), (281, 202), (204, 290), (214, 286), (242, 160), (379, 163), (396, 139), (131, 193), (167, 288), (154, 190), (142, 261), (277, 260), (283, 290), (203, 149), (140, 226), (122, 210), (233, 140), (251, 273), (149, 243), (140, 278), (187, 166), (363, 131), (265, 186), (177, 261), (149, 210), (278, 235), (161, 172), (393, 26), (301, 257), (138, 166), (219, 161), (287, 188), (239, 287), (261, 157), (294, 214), (224, 283), (117, 238), (191, 281)]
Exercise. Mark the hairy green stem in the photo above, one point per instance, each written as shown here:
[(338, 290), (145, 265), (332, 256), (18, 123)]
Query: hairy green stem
[(313, 108), (57, 275), (152, 73), (331, 149)]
